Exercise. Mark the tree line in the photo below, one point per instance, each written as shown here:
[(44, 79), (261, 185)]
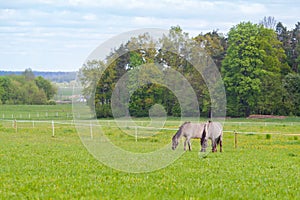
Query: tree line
[(26, 89), (57, 77), (259, 64)]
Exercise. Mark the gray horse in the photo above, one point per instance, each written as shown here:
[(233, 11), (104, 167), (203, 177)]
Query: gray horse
[(204, 131), (214, 132), (188, 130)]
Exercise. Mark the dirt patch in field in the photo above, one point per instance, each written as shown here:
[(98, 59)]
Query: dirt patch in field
[(266, 117)]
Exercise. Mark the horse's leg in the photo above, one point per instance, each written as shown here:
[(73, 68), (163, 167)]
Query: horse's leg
[(184, 146), (213, 144), (215, 147), (189, 143)]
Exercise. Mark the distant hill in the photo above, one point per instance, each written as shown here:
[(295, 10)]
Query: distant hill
[(58, 77)]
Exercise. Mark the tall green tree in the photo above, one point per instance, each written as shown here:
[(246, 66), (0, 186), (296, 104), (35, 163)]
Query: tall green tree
[(291, 44), (6, 88), (268, 22), (175, 50), (252, 67), (45, 86), (296, 47), (214, 44), (134, 58), (291, 84), (25, 89), (28, 74)]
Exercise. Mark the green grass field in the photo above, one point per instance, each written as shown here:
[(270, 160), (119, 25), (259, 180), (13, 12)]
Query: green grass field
[(36, 112), (35, 165), (65, 92)]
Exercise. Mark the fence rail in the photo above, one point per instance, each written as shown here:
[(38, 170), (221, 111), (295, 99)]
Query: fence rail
[(108, 123)]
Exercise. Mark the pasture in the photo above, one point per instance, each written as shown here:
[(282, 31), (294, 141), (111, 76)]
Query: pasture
[(36, 112), (35, 165), (65, 92)]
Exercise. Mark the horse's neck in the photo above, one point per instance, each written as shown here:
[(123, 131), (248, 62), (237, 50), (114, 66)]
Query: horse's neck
[(179, 134)]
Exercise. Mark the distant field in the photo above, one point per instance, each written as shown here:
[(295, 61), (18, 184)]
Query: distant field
[(36, 112), (35, 165), (65, 93)]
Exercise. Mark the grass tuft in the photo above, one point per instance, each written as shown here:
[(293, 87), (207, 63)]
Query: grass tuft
[(268, 136)]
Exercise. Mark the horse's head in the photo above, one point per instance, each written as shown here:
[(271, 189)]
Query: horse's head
[(174, 143)]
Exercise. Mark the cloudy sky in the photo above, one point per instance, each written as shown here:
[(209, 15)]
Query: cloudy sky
[(57, 35)]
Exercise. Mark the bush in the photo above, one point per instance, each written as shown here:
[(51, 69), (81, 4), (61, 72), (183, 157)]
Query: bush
[(268, 136), (103, 110), (51, 102)]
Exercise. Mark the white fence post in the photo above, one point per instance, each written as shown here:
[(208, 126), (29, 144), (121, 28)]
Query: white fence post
[(53, 128), (15, 125)]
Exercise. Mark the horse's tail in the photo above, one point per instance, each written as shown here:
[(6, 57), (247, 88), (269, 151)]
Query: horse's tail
[(218, 139), (204, 134)]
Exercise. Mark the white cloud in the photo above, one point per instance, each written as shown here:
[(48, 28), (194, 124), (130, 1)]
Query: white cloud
[(74, 27), (90, 17), (254, 8), (7, 13)]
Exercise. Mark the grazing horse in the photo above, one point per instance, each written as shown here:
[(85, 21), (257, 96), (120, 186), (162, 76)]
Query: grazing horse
[(204, 131), (214, 132), (188, 130)]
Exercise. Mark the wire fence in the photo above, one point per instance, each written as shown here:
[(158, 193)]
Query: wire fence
[(171, 125), (37, 116), (138, 128)]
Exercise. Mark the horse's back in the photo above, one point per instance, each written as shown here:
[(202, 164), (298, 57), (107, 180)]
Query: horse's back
[(193, 130)]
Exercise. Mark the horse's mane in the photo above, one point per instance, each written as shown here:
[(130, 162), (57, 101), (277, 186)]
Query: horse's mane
[(179, 132)]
